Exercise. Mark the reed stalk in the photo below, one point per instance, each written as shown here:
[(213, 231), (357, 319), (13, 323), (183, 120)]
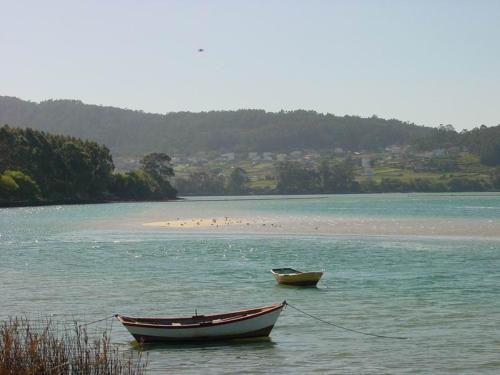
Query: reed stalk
[(43, 347)]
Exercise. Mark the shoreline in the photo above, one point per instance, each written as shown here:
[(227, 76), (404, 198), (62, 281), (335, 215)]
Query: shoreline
[(78, 202), (232, 198)]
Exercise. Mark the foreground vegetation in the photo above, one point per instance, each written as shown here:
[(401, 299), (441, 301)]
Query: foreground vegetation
[(37, 167), (34, 347)]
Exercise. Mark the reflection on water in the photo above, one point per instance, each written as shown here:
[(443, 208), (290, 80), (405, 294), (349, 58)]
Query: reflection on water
[(256, 343)]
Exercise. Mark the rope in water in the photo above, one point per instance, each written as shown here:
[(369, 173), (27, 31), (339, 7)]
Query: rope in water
[(64, 321), (97, 321), (78, 326), (345, 328)]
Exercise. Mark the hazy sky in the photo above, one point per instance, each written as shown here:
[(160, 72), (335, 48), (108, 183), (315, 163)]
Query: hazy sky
[(428, 62)]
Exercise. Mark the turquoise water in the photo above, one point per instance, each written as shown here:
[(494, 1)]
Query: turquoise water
[(441, 291)]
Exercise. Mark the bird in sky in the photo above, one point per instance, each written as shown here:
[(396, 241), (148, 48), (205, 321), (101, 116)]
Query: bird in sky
[(201, 50)]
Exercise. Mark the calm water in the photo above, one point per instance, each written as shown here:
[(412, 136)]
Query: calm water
[(442, 291)]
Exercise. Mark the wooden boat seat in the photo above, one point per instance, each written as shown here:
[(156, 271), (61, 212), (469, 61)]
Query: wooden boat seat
[(228, 318)]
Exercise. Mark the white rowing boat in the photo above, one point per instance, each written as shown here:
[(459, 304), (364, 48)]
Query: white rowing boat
[(256, 322)]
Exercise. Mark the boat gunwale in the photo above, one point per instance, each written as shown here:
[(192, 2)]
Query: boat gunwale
[(295, 274), (275, 271), (207, 323)]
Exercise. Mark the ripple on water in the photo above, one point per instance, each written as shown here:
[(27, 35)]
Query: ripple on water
[(441, 292)]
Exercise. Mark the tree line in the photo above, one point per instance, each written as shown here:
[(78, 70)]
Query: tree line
[(213, 182), (328, 177), (482, 141), (39, 167), (331, 177)]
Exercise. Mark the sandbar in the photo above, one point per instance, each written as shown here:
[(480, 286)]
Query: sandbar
[(215, 222), (336, 225)]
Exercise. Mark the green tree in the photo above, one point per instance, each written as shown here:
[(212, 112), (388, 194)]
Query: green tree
[(16, 186), (8, 187), (202, 182), (7, 140), (457, 184), (337, 177), (496, 178), (135, 185), (158, 166), (238, 181), (490, 153), (294, 178), (369, 186)]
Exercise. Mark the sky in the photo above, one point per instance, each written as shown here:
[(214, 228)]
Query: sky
[(426, 62)]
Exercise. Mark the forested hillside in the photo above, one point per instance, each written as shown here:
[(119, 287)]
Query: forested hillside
[(482, 141), (128, 132)]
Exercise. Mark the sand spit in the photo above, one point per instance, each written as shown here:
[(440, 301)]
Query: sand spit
[(307, 225), (215, 222)]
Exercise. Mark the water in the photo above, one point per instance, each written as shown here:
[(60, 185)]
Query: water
[(437, 285)]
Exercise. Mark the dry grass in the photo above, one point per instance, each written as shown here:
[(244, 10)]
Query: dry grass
[(39, 347)]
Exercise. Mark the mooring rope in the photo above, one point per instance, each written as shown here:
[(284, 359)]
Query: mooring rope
[(97, 321), (78, 326), (345, 328)]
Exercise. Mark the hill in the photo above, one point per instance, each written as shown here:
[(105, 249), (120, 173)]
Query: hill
[(127, 132)]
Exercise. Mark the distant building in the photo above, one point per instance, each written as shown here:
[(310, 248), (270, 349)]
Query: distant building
[(268, 156), (424, 155), (338, 150), (177, 160), (228, 156), (439, 152), (395, 149), (253, 156), (281, 157)]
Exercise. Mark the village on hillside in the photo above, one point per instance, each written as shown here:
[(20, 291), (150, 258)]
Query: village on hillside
[(400, 162)]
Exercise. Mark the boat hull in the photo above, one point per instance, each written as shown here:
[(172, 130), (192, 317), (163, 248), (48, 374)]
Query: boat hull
[(248, 327), (298, 279), (143, 337)]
